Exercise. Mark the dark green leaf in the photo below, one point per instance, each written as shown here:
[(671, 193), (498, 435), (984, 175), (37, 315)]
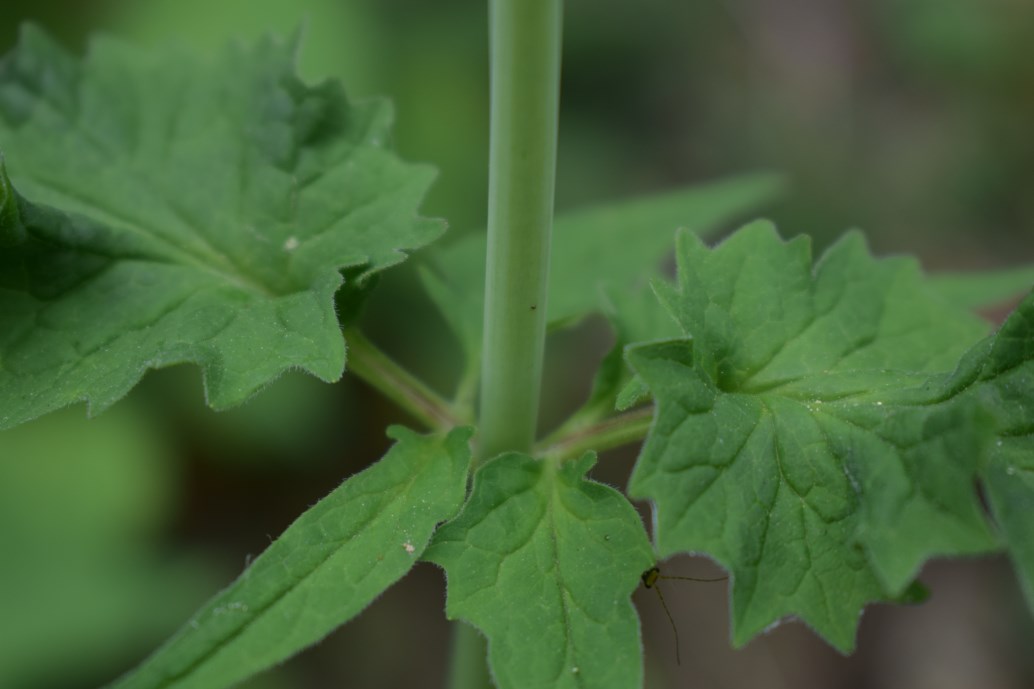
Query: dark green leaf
[(543, 562), (178, 211), (807, 436)]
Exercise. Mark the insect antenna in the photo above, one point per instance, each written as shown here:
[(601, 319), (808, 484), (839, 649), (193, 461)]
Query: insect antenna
[(698, 579)]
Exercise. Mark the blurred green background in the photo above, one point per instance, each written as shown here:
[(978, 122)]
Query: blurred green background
[(909, 118)]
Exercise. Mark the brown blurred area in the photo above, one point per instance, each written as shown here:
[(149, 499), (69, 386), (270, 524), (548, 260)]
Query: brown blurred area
[(911, 119)]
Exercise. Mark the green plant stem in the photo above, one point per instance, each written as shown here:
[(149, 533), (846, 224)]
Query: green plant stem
[(376, 368), (467, 667), (525, 38), (616, 431)]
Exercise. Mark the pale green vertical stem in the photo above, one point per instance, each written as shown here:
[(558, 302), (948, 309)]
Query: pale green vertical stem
[(468, 668), (525, 38), (525, 41)]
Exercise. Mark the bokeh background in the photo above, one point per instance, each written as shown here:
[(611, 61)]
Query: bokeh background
[(913, 119)]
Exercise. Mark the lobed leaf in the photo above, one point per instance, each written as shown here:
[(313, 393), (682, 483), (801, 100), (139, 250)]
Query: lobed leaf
[(169, 210), (544, 561), (808, 436), (1006, 388), (325, 568)]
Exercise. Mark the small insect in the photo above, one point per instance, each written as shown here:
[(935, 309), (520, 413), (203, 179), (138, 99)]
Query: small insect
[(650, 578)]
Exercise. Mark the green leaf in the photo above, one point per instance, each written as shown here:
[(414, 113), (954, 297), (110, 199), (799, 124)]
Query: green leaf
[(615, 247), (325, 568), (984, 289), (1007, 389), (543, 562), (12, 232), (176, 211), (807, 436)]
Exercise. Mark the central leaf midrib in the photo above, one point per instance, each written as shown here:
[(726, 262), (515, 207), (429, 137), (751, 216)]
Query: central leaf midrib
[(212, 262), (568, 632)]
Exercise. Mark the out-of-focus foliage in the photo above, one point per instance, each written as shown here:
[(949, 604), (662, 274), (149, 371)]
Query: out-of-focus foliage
[(81, 581)]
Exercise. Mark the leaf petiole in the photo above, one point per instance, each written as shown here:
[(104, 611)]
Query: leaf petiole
[(618, 430), (394, 382)]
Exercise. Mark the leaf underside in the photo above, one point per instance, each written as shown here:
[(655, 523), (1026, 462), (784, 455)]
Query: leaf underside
[(544, 561), (163, 210), (809, 435), (326, 568)]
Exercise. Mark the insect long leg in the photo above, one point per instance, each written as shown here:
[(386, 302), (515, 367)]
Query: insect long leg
[(704, 581), (678, 655)]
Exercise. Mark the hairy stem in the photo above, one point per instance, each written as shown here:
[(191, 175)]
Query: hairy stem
[(622, 429), (372, 365)]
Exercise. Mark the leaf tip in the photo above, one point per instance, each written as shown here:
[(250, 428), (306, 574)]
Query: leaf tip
[(400, 433), (762, 229), (686, 241), (578, 468), (462, 433)]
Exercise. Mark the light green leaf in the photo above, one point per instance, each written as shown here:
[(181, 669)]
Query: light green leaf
[(806, 436), (543, 562), (325, 568), (615, 247), (1006, 387), (173, 210), (984, 289)]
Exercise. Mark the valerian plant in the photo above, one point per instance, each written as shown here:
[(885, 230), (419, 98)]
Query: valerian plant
[(814, 424)]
